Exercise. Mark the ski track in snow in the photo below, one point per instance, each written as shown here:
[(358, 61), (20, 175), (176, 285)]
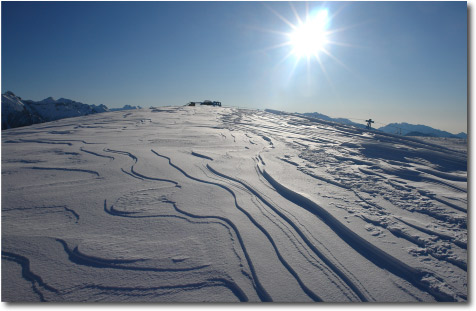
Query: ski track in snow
[(230, 205)]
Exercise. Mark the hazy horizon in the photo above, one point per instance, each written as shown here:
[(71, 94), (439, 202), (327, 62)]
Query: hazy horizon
[(389, 61)]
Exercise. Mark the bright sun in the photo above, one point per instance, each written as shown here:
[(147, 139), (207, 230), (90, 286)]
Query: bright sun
[(310, 38)]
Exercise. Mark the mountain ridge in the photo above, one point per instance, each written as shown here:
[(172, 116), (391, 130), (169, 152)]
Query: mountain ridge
[(413, 129), (401, 128), (17, 112)]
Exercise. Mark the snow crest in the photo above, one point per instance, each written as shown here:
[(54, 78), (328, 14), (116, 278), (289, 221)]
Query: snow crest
[(208, 204)]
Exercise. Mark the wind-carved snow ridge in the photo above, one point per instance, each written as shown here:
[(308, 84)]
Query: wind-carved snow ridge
[(187, 216), (82, 259), (96, 154), (63, 169), (201, 156), (208, 204), (259, 288), (136, 174), (36, 281), (301, 234), (367, 249)]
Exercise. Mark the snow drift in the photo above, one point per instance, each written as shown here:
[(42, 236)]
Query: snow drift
[(194, 204)]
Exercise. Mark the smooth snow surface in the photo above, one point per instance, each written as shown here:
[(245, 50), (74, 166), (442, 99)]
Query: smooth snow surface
[(192, 204)]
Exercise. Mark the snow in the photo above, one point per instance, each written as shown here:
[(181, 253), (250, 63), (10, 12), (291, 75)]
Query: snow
[(207, 204)]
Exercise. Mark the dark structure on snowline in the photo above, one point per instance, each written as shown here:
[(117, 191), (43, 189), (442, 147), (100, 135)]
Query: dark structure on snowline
[(206, 103), (369, 123)]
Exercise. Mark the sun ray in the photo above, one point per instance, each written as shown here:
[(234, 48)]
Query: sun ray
[(266, 30), (307, 9), (276, 46), (269, 48), (330, 42), (311, 39), (298, 18), (360, 77), (336, 59), (335, 30), (281, 17), (341, 8)]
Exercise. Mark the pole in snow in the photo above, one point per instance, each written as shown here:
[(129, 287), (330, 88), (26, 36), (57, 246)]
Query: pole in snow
[(369, 123)]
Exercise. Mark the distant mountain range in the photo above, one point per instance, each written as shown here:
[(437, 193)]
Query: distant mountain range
[(394, 128), (126, 107), (418, 130), (18, 112)]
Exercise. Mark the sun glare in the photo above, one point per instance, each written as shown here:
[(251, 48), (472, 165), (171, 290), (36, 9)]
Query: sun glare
[(310, 38)]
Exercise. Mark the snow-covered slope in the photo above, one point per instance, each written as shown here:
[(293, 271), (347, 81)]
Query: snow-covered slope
[(17, 112), (220, 204)]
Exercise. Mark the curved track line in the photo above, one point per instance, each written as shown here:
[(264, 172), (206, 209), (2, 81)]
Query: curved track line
[(36, 141), (79, 258), (365, 248), (261, 291), (133, 157), (210, 282), (328, 262), (112, 211), (28, 275), (201, 156), (96, 154), (46, 208), (64, 169), (313, 240), (306, 290)]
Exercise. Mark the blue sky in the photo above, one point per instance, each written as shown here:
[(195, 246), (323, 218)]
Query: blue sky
[(390, 61)]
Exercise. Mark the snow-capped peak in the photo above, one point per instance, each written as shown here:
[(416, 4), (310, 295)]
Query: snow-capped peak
[(49, 100), (17, 112)]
